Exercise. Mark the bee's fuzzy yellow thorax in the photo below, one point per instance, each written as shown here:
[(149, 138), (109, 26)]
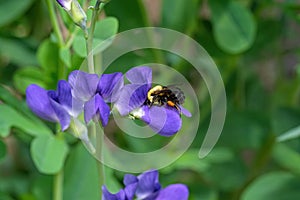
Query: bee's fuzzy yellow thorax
[(156, 88)]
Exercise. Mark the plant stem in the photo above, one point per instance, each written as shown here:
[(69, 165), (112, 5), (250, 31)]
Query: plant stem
[(54, 22), (61, 70), (99, 146), (59, 177), (58, 185), (91, 68), (89, 40)]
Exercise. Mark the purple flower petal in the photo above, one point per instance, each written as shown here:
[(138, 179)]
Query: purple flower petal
[(64, 94), (72, 105), (185, 111), (106, 195), (140, 75), (96, 107), (62, 114), (38, 101), (174, 192), (110, 85), (130, 191), (84, 85), (129, 179), (164, 120), (132, 96), (66, 4), (148, 184)]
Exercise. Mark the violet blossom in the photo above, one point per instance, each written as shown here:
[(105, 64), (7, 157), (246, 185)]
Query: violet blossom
[(83, 92), (96, 92), (53, 106), (146, 186), (165, 120)]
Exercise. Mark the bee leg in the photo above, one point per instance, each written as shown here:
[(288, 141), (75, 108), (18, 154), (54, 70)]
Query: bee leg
[(153, 100), (178, 108), (157, 100), (151, 104), (165, 101)]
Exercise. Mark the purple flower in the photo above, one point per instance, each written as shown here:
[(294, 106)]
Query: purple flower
[(165, 120), (83, 92), (54, 106), (96, 92), (147, 187)]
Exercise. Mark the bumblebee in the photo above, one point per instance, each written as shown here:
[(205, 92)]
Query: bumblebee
[(162, 95)]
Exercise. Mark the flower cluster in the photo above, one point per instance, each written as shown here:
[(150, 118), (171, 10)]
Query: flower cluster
[(82, 92), (90, 94), (146, 186)]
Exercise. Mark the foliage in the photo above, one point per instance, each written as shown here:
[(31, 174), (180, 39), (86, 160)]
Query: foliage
[(255, 45)]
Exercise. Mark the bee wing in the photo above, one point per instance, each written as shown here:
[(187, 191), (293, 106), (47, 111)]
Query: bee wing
[(178, 93)]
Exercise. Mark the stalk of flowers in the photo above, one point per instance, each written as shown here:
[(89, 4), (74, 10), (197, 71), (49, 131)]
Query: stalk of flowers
[(165, 120), (82, 92), (146, 186)]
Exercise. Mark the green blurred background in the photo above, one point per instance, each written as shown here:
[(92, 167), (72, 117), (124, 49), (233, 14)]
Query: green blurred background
[(254, 43)]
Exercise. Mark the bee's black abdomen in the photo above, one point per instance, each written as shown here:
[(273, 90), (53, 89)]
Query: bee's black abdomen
[(162, 95)]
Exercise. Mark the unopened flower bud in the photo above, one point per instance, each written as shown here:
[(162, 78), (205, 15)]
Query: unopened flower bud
[(77, 14), (75, 11)]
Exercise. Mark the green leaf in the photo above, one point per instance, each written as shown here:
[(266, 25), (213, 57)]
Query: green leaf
[(29, 75), (47, 53), (104, 29), (6, 96), (12, 118), (79, 45), (17, 52), (65, 56), (234, 26), (290, 134), (76, 61), (287, 157), (11, 10), (2, 149), (48, 153), (184, 14), (275, 186), (81, 176), (48, 57)]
